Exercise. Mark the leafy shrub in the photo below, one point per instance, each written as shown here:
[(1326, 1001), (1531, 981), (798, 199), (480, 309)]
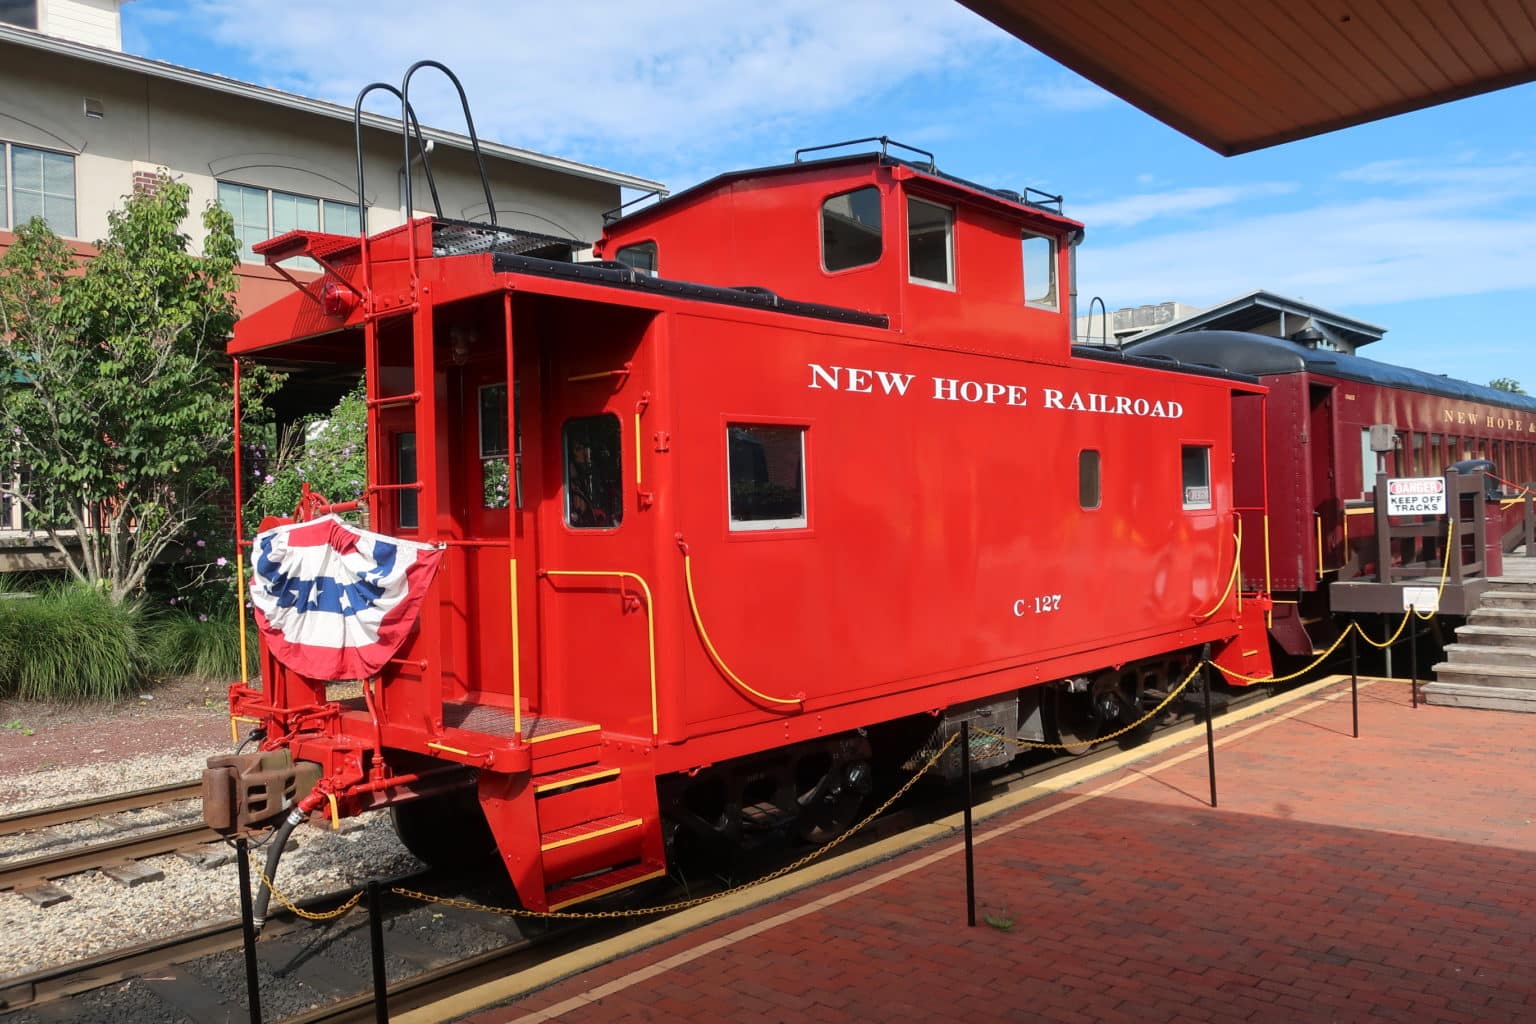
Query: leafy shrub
[(70, 642), (330, 453), (206, 647)]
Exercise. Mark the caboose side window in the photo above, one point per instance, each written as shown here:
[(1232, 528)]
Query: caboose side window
[(767, 471), (1197, 477), (1088, 496), (640, 256), (850, 229), (594, 473), (1040, 271), (930, 243), (502, 483)]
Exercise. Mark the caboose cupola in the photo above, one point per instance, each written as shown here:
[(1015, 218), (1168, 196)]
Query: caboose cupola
[(951, 263)]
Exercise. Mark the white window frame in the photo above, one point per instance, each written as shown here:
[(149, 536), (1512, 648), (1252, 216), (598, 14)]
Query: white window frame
[(800, 522), (1052, 254), (302, 263), (8, 186), (949, 244), (1209, 502)]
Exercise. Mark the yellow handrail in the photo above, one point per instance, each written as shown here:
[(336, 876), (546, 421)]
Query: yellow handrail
[(714, 655), (639, 474), (517, 660), (650, 624), (1237, 564), (1269, 586)]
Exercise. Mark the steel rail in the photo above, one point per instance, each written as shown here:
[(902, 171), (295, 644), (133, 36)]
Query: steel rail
[(95, 807), (36, 870)]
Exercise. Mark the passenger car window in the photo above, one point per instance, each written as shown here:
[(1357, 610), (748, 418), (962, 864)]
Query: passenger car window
[(1197, 477), (594, 473), (1040, 271), (930, 243), (767, 473), (850, 229)]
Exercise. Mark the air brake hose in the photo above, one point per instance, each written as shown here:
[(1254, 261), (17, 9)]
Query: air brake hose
[(274, 854)]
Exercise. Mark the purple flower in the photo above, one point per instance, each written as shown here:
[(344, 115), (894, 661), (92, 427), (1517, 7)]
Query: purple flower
[(172, 601), (221, 561), (202, 618), (267, 479), (202, 543)]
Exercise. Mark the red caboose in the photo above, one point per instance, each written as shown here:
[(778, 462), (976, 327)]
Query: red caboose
[(807, 473)]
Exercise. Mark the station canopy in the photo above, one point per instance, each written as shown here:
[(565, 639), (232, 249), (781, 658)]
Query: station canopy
[(1243, 76)]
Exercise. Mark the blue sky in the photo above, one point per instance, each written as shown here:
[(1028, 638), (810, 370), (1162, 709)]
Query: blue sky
[(1424, 224)]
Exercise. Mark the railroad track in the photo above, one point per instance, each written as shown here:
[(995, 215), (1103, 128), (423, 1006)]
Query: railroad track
[(44, 868), (62, 814)]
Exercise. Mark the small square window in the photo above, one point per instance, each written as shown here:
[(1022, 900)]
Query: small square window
[(1088, 496), (850, 229), (930, 243), (767, 470), (1040, 271), (641, 256), (1197, 477)]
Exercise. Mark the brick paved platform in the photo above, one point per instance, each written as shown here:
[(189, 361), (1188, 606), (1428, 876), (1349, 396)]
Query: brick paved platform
[(1391, 877)]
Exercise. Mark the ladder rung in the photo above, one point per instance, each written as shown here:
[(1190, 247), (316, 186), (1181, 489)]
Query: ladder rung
[(391, 400), (396, 487)]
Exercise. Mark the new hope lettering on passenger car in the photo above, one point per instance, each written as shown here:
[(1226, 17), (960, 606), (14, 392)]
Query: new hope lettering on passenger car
[(951, 389)]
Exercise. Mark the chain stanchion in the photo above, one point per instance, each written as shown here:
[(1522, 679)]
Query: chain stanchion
[(309, 915), (376, 949), (970, 858), (248, 928), (1354, 679), (1210, 730)]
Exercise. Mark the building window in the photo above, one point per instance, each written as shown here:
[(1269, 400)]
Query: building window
[(640, 256), (1088, 496), (37, 183), (22, 13), (1197, 477), (594, 473), (261, 214), (930, 243), (1040, 271), (850, 229), (405, 473), (767, 471)]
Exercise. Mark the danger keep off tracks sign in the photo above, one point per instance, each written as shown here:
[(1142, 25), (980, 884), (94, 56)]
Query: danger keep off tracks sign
[(1416, 496)]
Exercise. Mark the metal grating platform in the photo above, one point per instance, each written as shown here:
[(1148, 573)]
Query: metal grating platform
[(494, 721), (463, 238)]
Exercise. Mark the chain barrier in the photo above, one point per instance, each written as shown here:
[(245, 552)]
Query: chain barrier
[(697, 901), (1073, 748), (308, 915)]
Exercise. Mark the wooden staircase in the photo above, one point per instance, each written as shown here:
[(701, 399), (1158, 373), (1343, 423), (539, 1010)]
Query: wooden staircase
[(1492, 664)]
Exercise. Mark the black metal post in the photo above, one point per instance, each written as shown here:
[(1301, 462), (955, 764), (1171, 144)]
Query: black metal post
[(970, 858), (1210, 734), (1354, 679), (376, 947), (1413, 654), (248, 926)]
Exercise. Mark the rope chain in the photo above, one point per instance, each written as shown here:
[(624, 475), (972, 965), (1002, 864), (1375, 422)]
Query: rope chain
[(1037, 745)]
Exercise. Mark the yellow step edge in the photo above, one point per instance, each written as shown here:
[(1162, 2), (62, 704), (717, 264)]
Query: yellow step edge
[(611, 889), (606, 773), (610, 830), (565, 732)]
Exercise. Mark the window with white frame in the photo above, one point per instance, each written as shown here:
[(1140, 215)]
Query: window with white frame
[(767, 476), (262, 213), (37, 183), (1040, 271), (930, 243), (22, 13)]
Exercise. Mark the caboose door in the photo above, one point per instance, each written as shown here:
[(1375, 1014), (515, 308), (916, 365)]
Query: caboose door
[(596, 549)]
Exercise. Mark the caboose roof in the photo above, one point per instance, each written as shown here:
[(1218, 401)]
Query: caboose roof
[(1002, 198), (1261, 355)]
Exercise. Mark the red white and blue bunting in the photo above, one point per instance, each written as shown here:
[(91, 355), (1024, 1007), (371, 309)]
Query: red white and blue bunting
[(336, 602)]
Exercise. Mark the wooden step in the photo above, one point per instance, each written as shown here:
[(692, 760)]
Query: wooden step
[(1490, 698), (1486, 675), (1496, 636), (588, 830), (1484, 654), (591, 887)]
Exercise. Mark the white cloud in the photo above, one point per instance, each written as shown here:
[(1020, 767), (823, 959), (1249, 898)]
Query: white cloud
[(1068, 94), (1133, 210), (1342, 254), (650, 77), (1516, 175)]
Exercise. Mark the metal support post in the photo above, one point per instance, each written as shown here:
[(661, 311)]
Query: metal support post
[(376, 947), (1413, 654), (1354, 679), (1210, 734), (970, 859), (248, 926), (1386, 635)]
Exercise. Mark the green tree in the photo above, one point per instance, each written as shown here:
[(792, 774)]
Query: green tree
[(329, 453), (117, 391), (1507, 384)]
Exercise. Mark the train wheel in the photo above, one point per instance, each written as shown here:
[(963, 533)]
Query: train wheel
[(1072, 718), (447, 831), (830, 790)]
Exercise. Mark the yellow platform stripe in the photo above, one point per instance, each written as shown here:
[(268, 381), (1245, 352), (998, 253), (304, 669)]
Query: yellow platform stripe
[(607, 773), (610, 830), (611, 889), (564, 732)]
